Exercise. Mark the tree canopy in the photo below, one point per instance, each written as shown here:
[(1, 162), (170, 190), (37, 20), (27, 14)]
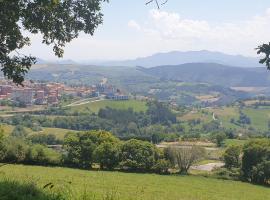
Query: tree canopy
[(58, 21)]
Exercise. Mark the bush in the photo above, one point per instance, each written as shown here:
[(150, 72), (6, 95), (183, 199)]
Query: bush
[(162, 166), (12, 190), (41, 155), (232, 174)]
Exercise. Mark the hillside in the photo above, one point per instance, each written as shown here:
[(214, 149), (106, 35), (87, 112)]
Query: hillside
[(211, 73), (94, 107), (125, 186)]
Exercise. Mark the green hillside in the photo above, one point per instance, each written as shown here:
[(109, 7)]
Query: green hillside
[(125, 186), (137, 106)]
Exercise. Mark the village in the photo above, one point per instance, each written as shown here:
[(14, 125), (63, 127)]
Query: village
[(50, 93)]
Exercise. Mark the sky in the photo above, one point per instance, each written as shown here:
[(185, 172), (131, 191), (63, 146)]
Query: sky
[(132, 29)]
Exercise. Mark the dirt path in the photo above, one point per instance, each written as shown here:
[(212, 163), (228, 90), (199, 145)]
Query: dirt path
[(208, 167)]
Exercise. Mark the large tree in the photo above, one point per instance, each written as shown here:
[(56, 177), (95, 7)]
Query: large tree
[(58, 21)]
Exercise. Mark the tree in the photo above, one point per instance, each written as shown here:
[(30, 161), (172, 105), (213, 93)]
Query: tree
[(232, 156), (107, 155), (185, 157), (15, 150), (58, 21), (138, 155), (219, 138), (158, 4), (19, 132), (256, 161), (264, 49), (80, 147)]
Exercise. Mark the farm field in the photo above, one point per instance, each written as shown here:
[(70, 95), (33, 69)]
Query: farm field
[(127, 186), (94, 107), (259, 117)]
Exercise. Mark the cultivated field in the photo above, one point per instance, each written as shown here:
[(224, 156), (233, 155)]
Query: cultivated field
[(125, 186)]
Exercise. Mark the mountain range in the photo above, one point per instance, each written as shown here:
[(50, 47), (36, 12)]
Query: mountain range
[(178, 58), (172, 58)]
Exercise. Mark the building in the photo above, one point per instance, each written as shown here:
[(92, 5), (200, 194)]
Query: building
[(118, 97), (23, 95), (5, 89), (40, 97)]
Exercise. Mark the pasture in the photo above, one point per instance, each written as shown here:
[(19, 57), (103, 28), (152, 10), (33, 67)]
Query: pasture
[(126, 186), (94, 107)]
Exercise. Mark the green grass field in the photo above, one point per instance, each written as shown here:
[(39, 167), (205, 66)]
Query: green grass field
[(137, 106), (58, 132), (127, 186), (259, 117)]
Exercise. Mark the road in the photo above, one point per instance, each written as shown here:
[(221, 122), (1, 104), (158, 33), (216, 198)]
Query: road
[(86, 101)]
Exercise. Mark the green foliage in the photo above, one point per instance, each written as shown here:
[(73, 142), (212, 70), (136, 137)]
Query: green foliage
[(107, 155), (232, 156), (46, 139), (160, 113), (40, 155), (19, 132), (265, 49), (23, 190), (162, 166), (219, 138), (256, 161), (138, 155), (14, 150), (59, 22), (80, 147)]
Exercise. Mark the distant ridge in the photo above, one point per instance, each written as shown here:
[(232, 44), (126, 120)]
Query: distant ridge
[(211, 73), (179, 57)]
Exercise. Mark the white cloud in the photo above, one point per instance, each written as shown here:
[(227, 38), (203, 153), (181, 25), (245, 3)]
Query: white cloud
[(134, 24), (187, 34)]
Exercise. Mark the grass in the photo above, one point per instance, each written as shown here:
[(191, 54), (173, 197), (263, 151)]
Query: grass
[(259, 117), (137, 106), (58, 132), (230, 142), (125, 186)]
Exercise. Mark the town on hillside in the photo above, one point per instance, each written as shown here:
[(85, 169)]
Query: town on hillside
[(49, 93)]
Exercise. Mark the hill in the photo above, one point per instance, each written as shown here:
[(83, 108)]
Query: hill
[(211, 73), (178, 57), (125, 186)]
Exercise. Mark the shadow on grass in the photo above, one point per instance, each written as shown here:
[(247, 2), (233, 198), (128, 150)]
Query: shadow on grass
[(12, 190)]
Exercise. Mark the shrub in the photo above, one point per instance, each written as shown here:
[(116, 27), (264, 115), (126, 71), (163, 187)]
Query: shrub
[(162, 166)]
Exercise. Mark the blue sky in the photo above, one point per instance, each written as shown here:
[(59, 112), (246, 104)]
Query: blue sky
[(131, 29)]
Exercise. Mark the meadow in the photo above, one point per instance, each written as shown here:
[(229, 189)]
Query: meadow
[(94, 107), (58, 132), (127, 186)]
